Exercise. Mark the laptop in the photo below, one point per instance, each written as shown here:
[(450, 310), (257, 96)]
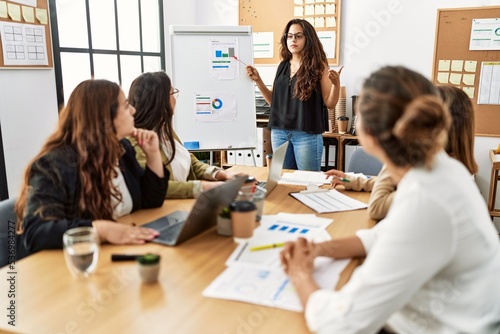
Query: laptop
[(179, 226), (275, 169)]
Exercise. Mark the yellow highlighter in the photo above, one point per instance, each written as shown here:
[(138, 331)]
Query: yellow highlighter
[(263, 247)]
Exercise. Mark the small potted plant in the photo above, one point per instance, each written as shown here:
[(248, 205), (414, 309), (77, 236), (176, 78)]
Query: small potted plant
[(224, 222), (149, 267)]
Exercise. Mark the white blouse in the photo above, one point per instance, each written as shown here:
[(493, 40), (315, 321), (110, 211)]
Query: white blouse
[(181, 165), (125, 206), (432, 265)]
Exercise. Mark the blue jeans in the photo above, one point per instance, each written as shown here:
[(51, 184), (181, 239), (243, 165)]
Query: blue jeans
[(304, 149)]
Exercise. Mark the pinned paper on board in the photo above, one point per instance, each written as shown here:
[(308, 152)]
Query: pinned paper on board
[(3, 10), (443, 77), (14, 12), (469, 79), (28, 14), (469, 91), (222, 61), (470, 66), (215, 107), (457, 65), (455, 78), (444, 65)]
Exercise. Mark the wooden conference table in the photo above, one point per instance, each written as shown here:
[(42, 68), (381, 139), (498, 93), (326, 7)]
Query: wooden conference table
[(113, 300)]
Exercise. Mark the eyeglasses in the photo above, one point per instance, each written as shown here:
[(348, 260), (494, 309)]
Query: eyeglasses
[(298, 35), (175, 92)]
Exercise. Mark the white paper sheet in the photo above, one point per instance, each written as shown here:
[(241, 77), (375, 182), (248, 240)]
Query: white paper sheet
[(330, 201)]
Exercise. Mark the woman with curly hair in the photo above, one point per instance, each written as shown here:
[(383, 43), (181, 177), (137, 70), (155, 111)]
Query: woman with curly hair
[(86, 173), (303, 88)]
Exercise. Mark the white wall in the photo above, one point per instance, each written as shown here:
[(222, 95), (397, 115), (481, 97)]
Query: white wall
[(28, 114)]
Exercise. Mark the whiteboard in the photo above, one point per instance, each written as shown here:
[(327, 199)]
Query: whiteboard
[(216, 105)]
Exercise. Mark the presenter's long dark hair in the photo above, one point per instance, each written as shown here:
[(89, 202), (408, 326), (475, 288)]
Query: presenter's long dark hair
[(150, 95), (313, 59)]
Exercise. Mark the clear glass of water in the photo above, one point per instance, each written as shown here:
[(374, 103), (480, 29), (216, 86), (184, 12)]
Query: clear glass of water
[(258, 199), (81, 250)]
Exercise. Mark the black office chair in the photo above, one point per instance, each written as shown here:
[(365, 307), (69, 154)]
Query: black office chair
[(8, 233), (361, 162)]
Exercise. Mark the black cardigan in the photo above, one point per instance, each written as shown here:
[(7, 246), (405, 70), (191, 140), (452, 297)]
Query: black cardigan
[(55, 188)]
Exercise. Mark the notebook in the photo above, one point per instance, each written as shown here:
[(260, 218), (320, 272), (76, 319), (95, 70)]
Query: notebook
[(275, 169), (179, 226)]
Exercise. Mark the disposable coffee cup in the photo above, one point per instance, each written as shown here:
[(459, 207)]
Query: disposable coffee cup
[(243, 219), (343, 120)]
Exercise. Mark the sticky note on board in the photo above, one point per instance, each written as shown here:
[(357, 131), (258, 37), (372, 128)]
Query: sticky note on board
[(330, 9), (3, 10), (319, 9), (444, 65), (331, 22), (455, 78), (309, 10), (14, 12), (457, 65), (470, 66), (442, 77), (319, 22), (469, 91), (28, 14), (41, 15), (298, 11), (468, 79)]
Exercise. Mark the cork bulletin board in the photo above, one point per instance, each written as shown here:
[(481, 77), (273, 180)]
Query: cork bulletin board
[(272, 16), (25, 40), (462, 58)]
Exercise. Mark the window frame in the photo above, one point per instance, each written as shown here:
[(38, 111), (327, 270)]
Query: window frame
[(90, 51)]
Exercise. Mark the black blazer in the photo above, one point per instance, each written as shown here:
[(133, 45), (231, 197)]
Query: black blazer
[(52, 205)]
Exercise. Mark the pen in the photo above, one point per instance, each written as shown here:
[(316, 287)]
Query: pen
[(124, 257), (343, 179), (258, 248)]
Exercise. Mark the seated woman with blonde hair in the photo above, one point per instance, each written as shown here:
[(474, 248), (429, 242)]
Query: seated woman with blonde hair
[(460, 145), (86, 173)]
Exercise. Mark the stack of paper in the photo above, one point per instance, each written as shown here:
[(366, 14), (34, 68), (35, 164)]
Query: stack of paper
[(256, 276), (301, 177)]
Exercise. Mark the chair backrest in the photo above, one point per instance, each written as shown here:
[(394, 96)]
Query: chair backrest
[(361, 162), (8, 234)]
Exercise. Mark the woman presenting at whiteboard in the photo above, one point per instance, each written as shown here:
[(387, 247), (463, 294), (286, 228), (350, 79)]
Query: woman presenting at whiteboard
[(153, 97), (303, 88)]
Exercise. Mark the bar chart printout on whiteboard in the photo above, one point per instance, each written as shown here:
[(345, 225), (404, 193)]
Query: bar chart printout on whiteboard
[(222, 52)]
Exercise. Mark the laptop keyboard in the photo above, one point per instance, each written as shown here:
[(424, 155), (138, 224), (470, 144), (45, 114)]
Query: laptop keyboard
[(262, 184), (170, 232)]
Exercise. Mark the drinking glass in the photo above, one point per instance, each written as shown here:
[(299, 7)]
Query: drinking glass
[(81, 250)]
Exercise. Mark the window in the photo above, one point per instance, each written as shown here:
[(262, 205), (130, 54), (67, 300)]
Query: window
[(115, 40)]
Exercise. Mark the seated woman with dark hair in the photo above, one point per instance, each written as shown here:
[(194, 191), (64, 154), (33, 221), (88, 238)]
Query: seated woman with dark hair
[(153, 97), (86, 173)]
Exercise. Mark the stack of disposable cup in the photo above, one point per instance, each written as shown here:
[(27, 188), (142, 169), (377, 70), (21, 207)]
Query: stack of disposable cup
[(340, 108), (331, 121)]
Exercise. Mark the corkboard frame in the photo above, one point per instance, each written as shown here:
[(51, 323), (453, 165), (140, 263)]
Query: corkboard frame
[(272, 16), (453, 31), (42, 4)]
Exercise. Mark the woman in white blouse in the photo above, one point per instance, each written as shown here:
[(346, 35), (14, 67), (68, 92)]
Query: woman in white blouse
[(154, 99), (433, 264)]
